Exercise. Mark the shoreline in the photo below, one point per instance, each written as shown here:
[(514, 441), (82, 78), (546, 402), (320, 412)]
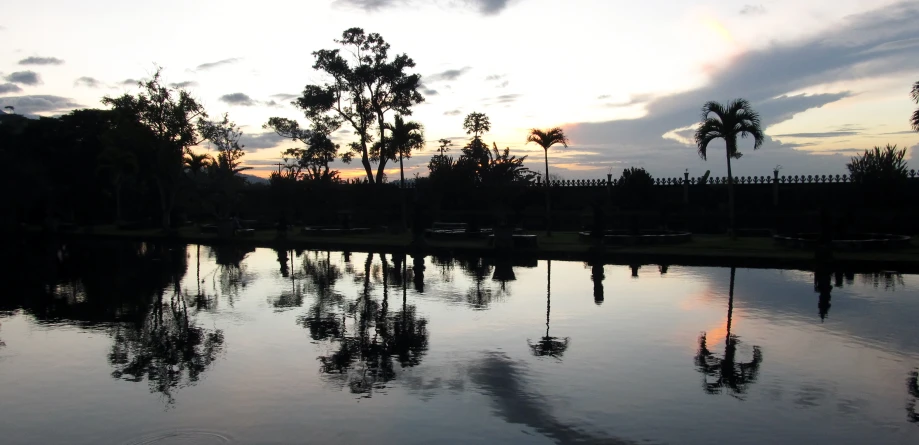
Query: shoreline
[(702, 250)]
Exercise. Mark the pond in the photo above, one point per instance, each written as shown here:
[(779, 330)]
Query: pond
[(139, 343)]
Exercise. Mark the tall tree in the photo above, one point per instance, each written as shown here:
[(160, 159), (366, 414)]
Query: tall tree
[(363, 87), (914, 94), (546, 139), (225, 136), (405, 137), (719, 121), (171, 115), (116, 163)]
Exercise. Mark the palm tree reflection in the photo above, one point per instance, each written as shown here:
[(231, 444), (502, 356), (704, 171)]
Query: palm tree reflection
[(549, 346), (823, 286), (726, 372)]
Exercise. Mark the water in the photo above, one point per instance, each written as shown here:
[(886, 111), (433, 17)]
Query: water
[(139, 343)]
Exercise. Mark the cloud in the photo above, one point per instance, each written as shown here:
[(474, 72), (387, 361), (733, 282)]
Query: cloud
[(39, 104), (490, 7), (604, 96), (752, 10), (504, 84), (484, 7), (129, 82), (429, 91), (448, 75), (88, 82), (9, 88), (24, 78), (899, 132), (185, 84), (633, 100), (210, 65), (506, 98), (284, 96), (773, 79), (452, 113), (261, 140), (41, 61), (495, 77), (241, 99), (826, 134)]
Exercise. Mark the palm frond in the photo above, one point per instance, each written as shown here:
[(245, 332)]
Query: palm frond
[(548, 138)]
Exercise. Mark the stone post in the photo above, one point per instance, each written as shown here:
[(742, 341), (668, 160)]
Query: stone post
[(775, 188), (686, 188)]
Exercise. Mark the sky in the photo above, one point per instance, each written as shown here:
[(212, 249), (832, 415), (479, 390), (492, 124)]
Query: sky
[(626, 80)]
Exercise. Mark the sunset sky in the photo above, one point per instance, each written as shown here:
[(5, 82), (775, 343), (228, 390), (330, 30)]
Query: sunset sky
[(625, 79)]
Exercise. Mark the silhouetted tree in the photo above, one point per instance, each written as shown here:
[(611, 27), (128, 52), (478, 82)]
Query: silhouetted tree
[(719, 121), (171, 116), (549, 346), (318, 153), (881, 166), (597, 276), (725, 371), (546, 139), (636, 186), (404, 138), (117, 163), (363, 87)]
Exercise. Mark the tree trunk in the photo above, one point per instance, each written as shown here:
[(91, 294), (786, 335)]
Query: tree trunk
[(402, 192), (118, 202), (730, 150), (366, 162), (548, 196), (164, 207)]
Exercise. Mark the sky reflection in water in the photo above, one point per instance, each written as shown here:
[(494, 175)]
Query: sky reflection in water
[(131, 343)]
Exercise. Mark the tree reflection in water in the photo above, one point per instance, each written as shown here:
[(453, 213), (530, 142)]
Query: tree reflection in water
[(119, 288), (322, 319), (167, 349), (549, 346), (912, 387), (823, 287), (726, 372), (363, 350)]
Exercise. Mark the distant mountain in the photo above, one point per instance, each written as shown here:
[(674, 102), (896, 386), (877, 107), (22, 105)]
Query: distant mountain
[(252, 179)]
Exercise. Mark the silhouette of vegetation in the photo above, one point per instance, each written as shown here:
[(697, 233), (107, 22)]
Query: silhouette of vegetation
[(726, 372), (312, 161), (546, 139), (478, 165), (636, 186), (881, 166), (914, 94), (171, 116), (405, 137), (727, 122), (362, 89), (222, 179)]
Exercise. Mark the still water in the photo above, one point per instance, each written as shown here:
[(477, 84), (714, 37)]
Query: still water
[(128, 343)]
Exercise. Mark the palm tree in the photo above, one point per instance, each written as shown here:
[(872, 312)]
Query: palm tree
[(914, 94), (196, 163), (546, 139), (726, 371), (405, 137), (549, 346), (737, 118)]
